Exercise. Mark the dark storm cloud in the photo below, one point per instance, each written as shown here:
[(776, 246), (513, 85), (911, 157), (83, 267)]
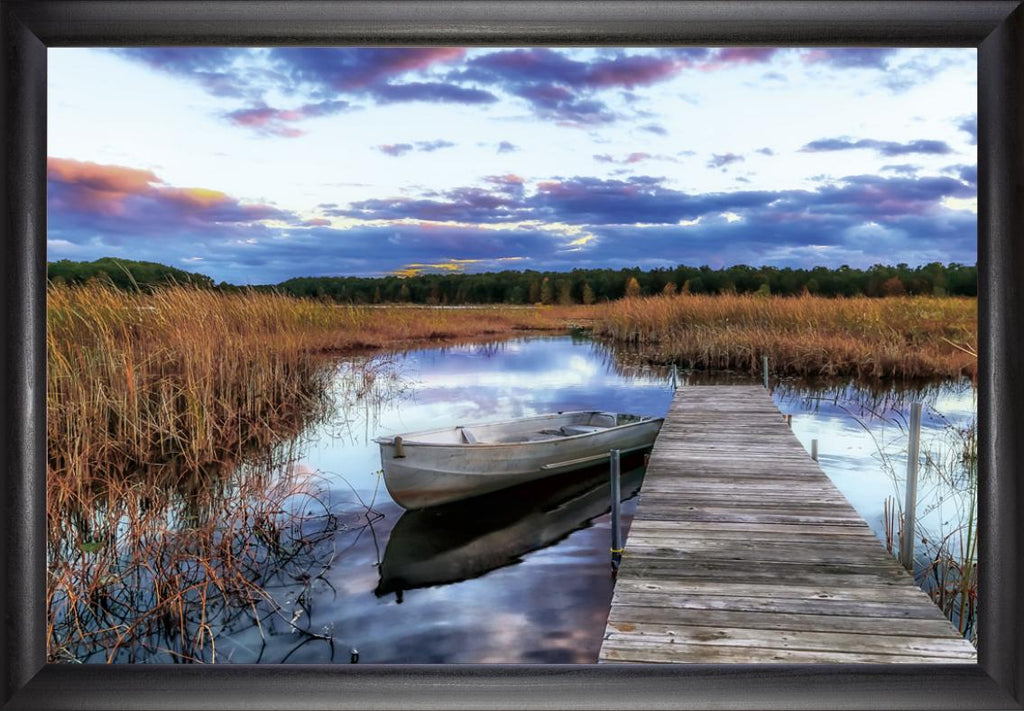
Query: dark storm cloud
[(902, 169), (562, 88), (96, 210), (631, 158), (395, 149), (851, 57), (643, 199), (542, 67), (400, 149), (555, 84), (655, 129), (970, 126), (361, 251), (431, 146), (467, 204), (508, 183), (268, 120), (350, 68), (966, 173), (885, 148), (322, 74), (437, 92), (721, 160)]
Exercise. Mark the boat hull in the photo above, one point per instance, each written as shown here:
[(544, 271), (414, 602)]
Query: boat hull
[(430, 474), (447, 544)]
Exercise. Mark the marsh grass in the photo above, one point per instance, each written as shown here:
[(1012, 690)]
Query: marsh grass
[(192, 376), (899, 337)]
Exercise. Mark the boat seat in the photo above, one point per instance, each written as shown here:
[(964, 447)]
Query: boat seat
[(570, 430), (468, 436)]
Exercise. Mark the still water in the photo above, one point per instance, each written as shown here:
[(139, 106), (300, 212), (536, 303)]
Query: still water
[(521, 576), (507, 579)]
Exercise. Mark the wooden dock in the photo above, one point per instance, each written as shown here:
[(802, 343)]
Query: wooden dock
[(742, 550)]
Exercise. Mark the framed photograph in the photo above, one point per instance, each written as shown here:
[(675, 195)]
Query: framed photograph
[(208, 246)]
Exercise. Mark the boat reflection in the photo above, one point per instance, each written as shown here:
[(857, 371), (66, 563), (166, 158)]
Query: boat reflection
[(467, 539)]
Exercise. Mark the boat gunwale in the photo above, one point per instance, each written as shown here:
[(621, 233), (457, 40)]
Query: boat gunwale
[(479, 445)]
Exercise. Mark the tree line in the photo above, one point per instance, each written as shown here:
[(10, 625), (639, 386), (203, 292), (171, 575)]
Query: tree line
[(125, 274), (579, 286)]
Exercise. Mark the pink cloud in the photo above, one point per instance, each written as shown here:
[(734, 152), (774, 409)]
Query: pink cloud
[(272, 121), (134, 196)]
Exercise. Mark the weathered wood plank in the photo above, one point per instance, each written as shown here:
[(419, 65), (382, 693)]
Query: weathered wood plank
[(742, 550), (895, 610), (799, 622), (653, 634), (685, 654), (702, 529), (757, 570), (772, 591)]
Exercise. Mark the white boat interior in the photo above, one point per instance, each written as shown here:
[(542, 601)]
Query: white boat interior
[(532, 429)]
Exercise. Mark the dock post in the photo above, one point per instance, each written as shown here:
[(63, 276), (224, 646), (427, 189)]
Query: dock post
[(814, 449), (616, 548), (764, 370), (910, 507), (675, 377)]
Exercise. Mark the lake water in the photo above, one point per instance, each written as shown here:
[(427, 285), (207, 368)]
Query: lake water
[(520, 577)]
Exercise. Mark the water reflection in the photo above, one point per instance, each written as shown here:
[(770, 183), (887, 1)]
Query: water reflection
[(155, 572), (456, 542), (497, 590)]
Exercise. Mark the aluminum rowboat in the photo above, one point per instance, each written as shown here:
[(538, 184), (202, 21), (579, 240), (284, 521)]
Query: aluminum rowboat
[(443, 465)]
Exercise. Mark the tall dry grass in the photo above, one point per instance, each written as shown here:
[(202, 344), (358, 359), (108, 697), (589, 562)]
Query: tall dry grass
[(187, 377), (903, 337)]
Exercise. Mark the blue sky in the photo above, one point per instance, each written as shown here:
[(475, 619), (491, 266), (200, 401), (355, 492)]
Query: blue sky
[(256, 165)]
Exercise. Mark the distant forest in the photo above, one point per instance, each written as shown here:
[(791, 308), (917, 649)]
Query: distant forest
[(580, 286)]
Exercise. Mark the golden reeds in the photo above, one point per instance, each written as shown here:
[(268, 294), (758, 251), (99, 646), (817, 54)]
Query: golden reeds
[(902, 337), (191, 376)]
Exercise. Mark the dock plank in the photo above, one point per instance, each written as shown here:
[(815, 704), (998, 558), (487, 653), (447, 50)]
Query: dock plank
[(742, 550)]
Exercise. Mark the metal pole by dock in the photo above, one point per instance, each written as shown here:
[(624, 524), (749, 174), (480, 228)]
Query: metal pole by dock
[(910, 506), (764, 370), (616, 548), (814, 449)]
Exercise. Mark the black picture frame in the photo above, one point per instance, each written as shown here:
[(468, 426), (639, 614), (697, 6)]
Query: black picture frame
[(27, 28)]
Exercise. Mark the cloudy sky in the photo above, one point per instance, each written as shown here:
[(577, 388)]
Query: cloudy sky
[(256, 165)]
